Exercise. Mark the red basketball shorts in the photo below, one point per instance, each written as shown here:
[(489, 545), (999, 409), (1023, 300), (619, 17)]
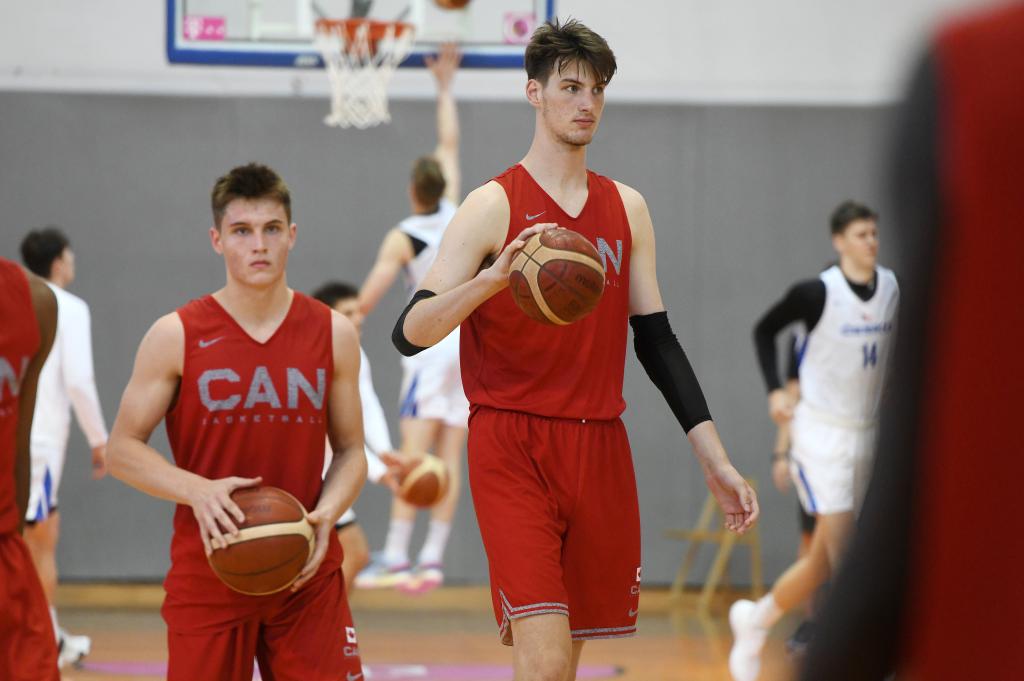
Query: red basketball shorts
[(557, 507), (28, 645), (305, 636)]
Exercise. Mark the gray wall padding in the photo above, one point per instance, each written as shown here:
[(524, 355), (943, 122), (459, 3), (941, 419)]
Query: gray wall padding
[(739, 196)]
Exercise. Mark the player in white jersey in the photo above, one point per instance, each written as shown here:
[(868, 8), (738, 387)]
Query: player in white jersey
[(381, 462), (434, 407), (848, 314), (65, 383)]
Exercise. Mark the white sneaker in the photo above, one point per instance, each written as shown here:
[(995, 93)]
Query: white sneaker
[(748, 639), (72, 649)]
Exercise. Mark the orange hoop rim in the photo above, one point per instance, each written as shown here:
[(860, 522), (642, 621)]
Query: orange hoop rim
[(378, 29)]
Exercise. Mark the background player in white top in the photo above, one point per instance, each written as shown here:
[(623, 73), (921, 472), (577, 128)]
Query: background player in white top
[(434, 407), (848, 313), (65, 383), (343, 297)]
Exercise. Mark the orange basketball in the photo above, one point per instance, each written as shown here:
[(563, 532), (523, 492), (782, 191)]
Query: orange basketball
[(426, 482), (273, 543), (557, 278), (451, 4)]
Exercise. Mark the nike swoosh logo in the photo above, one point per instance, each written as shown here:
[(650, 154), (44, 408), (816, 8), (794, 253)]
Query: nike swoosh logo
[(208, 343), (632, 613), (353, 677), (534, 217)]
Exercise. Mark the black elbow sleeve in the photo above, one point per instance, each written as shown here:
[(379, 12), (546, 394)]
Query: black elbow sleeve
[(668, 368), (398, 334)]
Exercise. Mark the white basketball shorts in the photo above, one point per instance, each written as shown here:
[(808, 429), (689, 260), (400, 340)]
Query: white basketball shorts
[(830, 462), (47, 468), (432, 385)]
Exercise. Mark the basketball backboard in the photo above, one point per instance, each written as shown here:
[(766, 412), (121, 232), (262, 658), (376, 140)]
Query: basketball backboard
[(492, 33)]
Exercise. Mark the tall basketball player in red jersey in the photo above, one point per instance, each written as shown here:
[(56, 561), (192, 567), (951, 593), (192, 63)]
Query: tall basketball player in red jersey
[(28, 323), (250, 380), (549, 462)]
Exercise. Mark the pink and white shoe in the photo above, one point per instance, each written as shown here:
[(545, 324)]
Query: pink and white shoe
[(425, 578)]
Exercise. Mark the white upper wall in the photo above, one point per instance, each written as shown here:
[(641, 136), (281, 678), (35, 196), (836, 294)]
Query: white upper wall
[(783, 51)]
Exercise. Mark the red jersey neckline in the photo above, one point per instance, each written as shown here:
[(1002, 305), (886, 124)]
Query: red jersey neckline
[(586, 204), (223, 310)]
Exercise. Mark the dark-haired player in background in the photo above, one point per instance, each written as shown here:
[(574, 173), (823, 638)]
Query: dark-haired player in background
[(547, 449), (28, 310), (343, 298), (251, 379), (848, 314), (66, 382)]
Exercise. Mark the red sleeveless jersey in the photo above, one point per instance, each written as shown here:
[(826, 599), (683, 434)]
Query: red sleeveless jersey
[(19, 340), (247, 409), (510, 361)]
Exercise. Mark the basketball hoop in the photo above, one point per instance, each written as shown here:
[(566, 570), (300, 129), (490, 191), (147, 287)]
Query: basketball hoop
[(360, 56)]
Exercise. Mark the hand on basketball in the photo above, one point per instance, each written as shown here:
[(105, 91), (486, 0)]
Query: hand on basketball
[(216, 512), (734, 496), (397, 469), (780, 473), (500, 267), (323, 527), (444, 65), (99, 461), (780, 406)]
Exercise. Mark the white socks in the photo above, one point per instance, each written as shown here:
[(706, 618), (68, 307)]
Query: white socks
[(396, 546), (437, 538), (766, 612)]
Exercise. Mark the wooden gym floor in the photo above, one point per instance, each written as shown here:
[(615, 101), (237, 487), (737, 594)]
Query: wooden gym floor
[(448, 635)]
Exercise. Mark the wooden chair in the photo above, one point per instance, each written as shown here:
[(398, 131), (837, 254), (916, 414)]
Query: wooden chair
[(710, 529)]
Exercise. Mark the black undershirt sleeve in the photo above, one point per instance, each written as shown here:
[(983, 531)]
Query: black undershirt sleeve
[(398, 334), (666, 364), (802, 303)]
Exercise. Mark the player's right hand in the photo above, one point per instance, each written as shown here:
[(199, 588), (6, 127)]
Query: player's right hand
[(397, 469), (500, 268), (214, 510), (780, 406)]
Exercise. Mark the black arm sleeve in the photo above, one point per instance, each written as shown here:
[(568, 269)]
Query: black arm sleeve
[(803, 303), (398, 334), (668, 368)]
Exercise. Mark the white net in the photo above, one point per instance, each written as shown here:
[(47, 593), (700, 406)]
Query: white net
[(361, 56)]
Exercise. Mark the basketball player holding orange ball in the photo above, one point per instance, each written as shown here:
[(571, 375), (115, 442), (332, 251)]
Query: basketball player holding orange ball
[(547, 450), (251, 379)]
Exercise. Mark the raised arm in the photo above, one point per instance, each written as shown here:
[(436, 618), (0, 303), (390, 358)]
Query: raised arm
[(395, 253), (45, 305), (443, 67), (669, 369), (147, 398), (471, 266), (347, 471)]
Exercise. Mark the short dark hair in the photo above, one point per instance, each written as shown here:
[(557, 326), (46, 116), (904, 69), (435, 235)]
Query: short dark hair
[(847, 212), (334, 291), (251, 181), (556, 45), (428, 181), (41, 247)]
